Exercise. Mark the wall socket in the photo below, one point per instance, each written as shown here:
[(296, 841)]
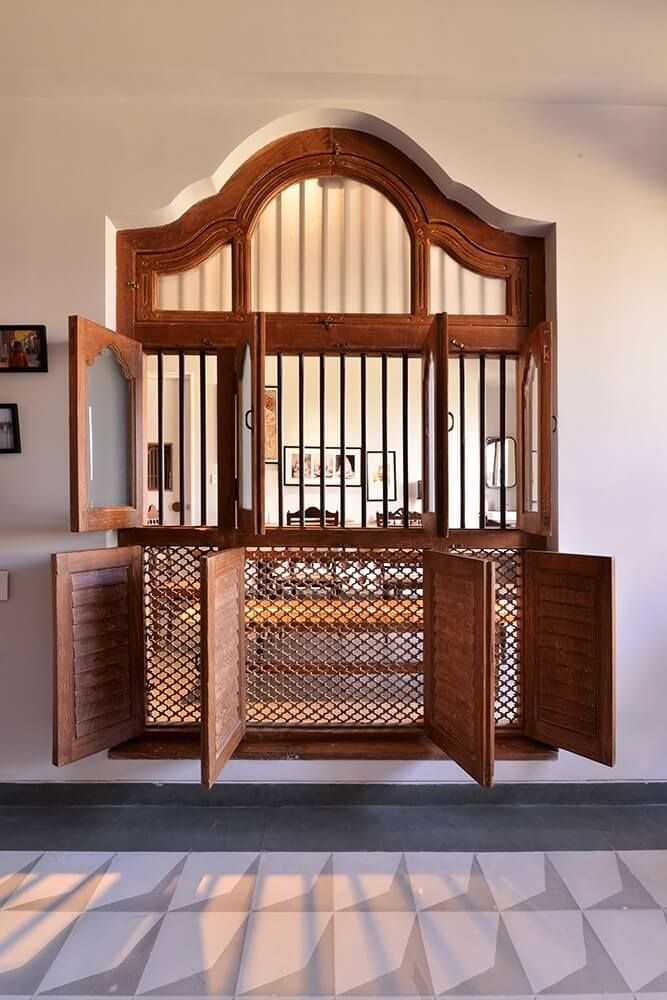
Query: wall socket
[(4, 584)]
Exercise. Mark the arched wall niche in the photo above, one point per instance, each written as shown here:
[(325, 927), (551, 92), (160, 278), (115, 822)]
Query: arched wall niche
[(217, 232)]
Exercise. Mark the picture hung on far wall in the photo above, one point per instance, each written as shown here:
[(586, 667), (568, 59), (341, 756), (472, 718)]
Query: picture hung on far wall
[(270, 423), (23, 349), (10, 438), (377, 472), (333, 461)]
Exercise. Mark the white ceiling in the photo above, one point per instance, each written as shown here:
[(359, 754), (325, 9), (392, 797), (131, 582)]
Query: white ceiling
[(607, 51)]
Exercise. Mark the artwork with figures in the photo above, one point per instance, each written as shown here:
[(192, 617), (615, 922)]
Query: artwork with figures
[(378, 472), (312, 466), (23, 349), (10, 442), (271, 423)]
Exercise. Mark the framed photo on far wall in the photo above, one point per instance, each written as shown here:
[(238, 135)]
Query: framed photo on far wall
[(10, 438), (270, 423), (311, 466), (23, 349), (375, 475)]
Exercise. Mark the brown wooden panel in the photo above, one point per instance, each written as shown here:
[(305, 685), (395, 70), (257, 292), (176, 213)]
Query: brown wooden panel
[(434, 452), (86, 341), (569, 652), (223, 659), (459, 628), (252, 520), (539, 348), (98, 676)]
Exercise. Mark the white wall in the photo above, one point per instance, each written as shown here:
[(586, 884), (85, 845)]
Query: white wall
[(598, 172)]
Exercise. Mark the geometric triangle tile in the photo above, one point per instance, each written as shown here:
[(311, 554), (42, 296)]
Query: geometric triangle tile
[(591, 876), (513, 878), (380, 954), (597, 975), (372, 882), (196, 954), (139, 882), (448, 882), (222, 882), (61, 881), (14, 866), (505, 977), (293, 882), (636, 941), (106, 953), (550, 944), (31, 941), (288, 954), (460, 947), (650, 868), (555, 896)]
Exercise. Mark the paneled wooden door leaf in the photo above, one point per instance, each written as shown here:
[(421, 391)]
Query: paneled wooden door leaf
[(459, 667), (99, 651), (434, 423), (223, 659), (569, 652)]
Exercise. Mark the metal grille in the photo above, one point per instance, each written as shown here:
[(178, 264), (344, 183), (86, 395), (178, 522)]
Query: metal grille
[(334, 636), (509, 597), (172, 627)]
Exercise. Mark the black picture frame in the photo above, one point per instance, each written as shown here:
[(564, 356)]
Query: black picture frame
[(330, 481), (10, 434), (372, 494), (31, 355)]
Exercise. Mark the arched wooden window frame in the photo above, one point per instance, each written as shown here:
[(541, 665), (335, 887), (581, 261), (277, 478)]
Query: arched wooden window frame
[(231, 215)]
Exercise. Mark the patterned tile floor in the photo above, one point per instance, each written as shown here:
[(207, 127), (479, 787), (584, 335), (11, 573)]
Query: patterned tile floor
[(568, 924)]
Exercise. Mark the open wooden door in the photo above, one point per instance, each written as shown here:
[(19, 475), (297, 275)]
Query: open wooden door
[(223, 659), (569, 652), (434, 421), (106, 428), (99, 646), (251, 355), (535, 418), (459, 667)]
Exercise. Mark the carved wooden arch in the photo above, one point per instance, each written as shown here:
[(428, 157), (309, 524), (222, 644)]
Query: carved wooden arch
[(229, 217)]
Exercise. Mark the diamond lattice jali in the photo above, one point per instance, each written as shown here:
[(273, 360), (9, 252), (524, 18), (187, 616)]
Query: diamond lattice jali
[(509, 595), (334, 636), (173, 633)]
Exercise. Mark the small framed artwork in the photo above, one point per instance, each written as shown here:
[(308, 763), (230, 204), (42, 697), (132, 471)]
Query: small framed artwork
[(23, 349), (10, 438), (333, 461), (270, 423), (377, 472)]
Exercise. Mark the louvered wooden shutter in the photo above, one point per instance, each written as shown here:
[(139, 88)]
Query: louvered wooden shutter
[(569, 652), (99, 651), (434, 423), (223, 659), (459, 623)]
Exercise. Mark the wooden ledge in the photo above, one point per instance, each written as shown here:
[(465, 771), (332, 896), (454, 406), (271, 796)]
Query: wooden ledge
[(267, 744)]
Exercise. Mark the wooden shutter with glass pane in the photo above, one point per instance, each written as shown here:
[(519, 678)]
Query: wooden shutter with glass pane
[(434, 421), (535, 414), (250, 421)]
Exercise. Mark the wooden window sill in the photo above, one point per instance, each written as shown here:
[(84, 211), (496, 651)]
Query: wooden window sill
[(269, 744)]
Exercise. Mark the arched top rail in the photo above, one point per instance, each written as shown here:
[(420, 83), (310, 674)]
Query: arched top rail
[(200, 267)]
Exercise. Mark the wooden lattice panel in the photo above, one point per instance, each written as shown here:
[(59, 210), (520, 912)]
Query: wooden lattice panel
[(509, 597), (334, 636)]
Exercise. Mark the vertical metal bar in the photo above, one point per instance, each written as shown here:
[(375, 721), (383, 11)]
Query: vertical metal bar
[(462, 435), (406, 485), (302, 422), (279, 418), (385, 472), (342, 440), (160, 434), (482, 441), (323, 491), (203, 464), (503, 440), (364, 444), (181, 436)]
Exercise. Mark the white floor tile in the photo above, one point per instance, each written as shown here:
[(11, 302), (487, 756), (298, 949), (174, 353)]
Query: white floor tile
[(636, 941), (591, 876), (438, 877), (55, 879), (550, 945), (513, 878), (459, 946), (288, 954), (295, 881), (217, 882), (650, 867)]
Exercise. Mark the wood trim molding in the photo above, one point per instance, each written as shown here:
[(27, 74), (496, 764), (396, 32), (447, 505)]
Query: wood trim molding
[(230, 216)]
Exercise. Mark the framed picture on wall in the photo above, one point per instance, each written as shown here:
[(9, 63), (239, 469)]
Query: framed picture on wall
[(10, 438), (311, 466), (271, 423), (377, 472), (23, 349)]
